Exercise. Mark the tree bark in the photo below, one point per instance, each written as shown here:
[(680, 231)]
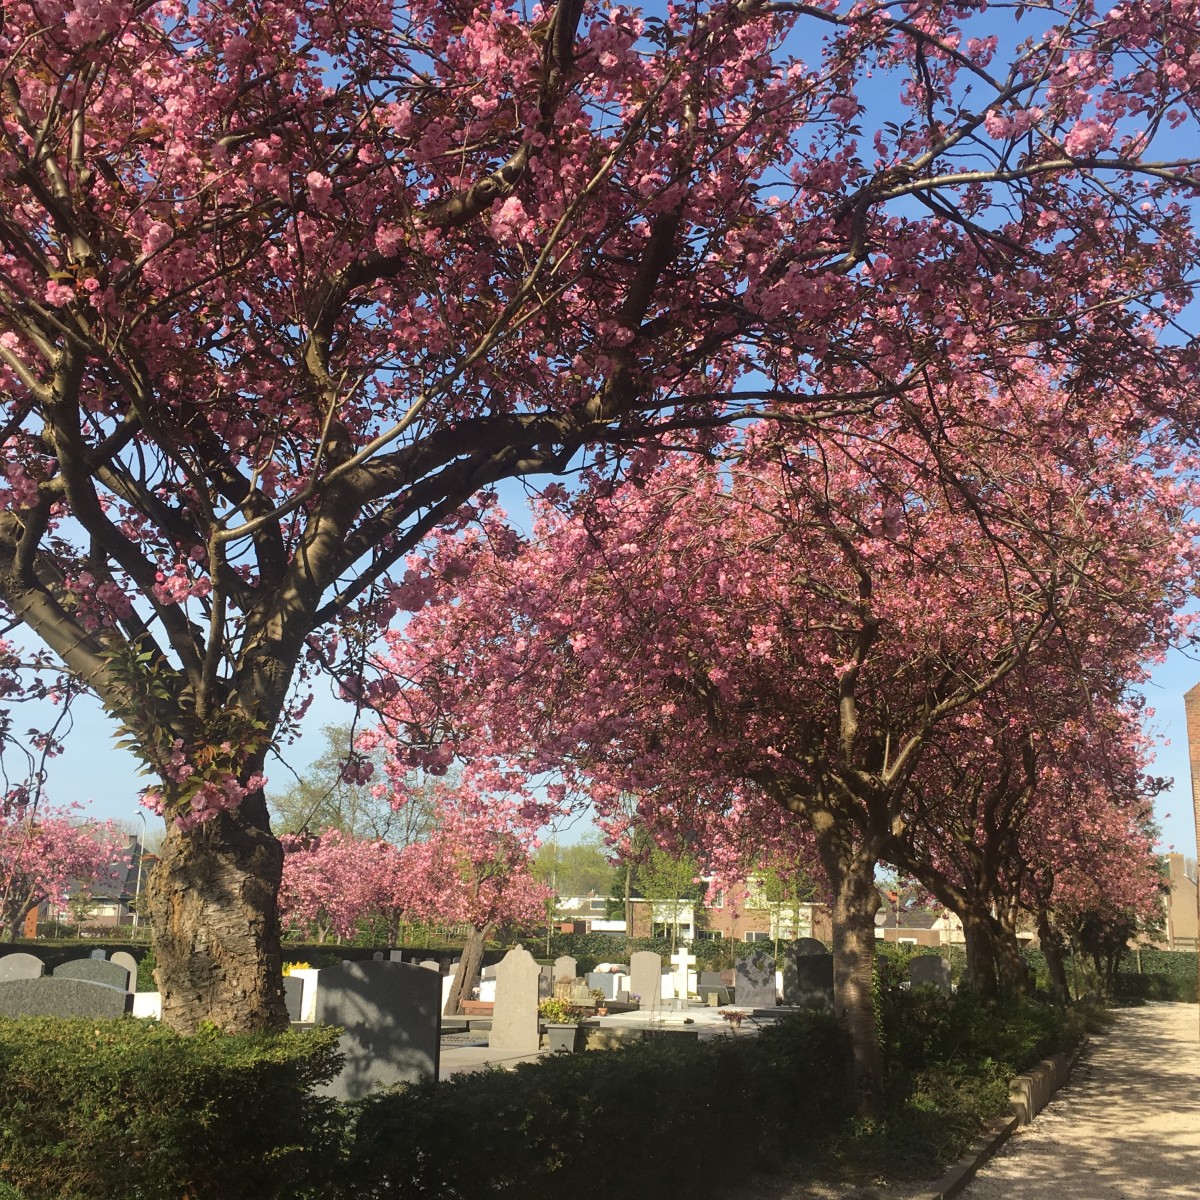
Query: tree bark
[(1053, 948), (469, 967), (855, 902), (1011, 969), (981, 952), (212, 905)]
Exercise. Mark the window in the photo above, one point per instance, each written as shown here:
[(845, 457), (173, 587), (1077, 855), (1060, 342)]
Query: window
[(708, 935), (598, 905), (756, 936)]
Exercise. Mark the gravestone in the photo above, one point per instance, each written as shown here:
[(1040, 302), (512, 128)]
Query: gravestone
[(645, 978), (62, 996), (711, 979), (395, 956), (21, 966), (377, 956), (431, 964), (797, 994), (565, 967), (94, 970), (123, 958), (390, 1014), (755, 987), (808, 975), (515, 1015), (99, 954), (293, 997), (488, 972), (545, 982), (606, 982), (929, 970), (681, 964)]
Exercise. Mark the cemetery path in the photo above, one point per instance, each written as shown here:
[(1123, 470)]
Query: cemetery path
[(1126, 1127)]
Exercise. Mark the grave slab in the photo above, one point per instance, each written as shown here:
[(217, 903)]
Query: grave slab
[(390, 1015), (62, 996), (94, 970)]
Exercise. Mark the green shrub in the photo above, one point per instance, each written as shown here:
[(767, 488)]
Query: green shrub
[(129, 1110), (1164, 975), (596, 1123)]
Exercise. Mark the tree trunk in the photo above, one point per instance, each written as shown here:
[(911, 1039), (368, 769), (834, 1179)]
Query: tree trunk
[(981, 952), (469, 965), (1053, 948), (211, 900), (855, 902), (1011, 968)]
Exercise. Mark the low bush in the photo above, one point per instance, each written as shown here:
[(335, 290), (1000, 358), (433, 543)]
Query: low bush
[(128, 1110), (596, 1123)]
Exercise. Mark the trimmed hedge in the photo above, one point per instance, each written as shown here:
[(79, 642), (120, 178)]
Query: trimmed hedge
[(1165, 975), (597, 1123), (112, 1110)]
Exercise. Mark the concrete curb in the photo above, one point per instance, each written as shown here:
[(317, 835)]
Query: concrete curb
[(1030, 1093)]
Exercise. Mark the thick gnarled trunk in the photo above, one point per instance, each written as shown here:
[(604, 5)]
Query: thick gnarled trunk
[(212, 904)]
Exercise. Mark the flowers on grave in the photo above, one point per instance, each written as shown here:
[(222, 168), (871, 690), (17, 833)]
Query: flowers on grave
[(292, 967), (557, 1011), (598, 996), (734, 1017)]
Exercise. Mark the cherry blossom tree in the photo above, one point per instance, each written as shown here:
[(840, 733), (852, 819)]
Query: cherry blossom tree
[(284, 285), (44, 853), (332, 881), (789, 636), (475, 867)]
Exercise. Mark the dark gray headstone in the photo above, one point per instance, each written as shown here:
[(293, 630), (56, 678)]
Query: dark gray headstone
[(545, 982), (808, 946), (94, 970), (604, 981), (293, 996), (99, 954), (123, 958), (808, 979), (755, 987), (929, 970), (60, 996), (711, 979), (377, 956), (391, 1016), (21, 966)]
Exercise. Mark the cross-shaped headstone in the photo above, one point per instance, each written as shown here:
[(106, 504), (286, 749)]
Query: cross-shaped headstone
[(681, 960)]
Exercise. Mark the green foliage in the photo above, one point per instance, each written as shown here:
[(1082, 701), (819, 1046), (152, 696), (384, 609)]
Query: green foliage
[(574, 870), (549, 1128), (949, 1062), (112, 1110), (560, 1012), (1165, 975)]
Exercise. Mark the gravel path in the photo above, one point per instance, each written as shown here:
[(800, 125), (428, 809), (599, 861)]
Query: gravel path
[(1126, 1128)]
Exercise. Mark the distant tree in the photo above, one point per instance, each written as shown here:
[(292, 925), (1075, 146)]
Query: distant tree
[(580, 869), (670, 882), (47, 853), (341, 790)]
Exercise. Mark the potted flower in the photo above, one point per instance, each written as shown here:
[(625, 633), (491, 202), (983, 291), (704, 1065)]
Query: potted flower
[(562, 1023), (600, 1000)]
